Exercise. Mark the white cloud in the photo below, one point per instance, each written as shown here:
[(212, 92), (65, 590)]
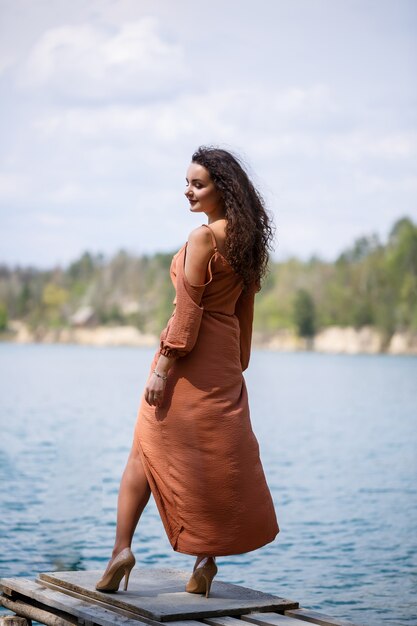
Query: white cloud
[(13, 186), (218, 112), (371, 184), (272, 122), (50, 219), (88, 63), (359, 144), (6, 62), (103, 106), (68, 193)]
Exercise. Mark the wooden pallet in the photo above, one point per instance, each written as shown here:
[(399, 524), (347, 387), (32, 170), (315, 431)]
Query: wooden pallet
[(154, 597)]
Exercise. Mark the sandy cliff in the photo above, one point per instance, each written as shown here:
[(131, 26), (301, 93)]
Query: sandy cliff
[(335, 339)]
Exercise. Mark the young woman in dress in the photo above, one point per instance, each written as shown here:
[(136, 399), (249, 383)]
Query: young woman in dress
[(193, 444)]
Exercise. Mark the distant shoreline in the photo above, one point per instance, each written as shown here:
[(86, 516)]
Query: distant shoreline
[(331, 340)]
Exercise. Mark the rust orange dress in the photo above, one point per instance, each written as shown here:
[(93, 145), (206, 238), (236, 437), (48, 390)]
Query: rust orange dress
[(199, 452)]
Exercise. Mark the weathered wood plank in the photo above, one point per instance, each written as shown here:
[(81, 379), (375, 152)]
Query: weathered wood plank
[(13, 620), (315, 617), (30, 612), (146, 621), (186, 622), (52, 600), (222, 621), (68, 598), (159, 594), (271, 619)]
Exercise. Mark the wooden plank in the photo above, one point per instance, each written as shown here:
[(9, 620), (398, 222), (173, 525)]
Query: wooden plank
[(13, 620), (59, 600), (35, 613), (159, 594), (222, 621), (185, 622), (82, 609), (38, 592), (271, 619), (314, 617), (116, 610)]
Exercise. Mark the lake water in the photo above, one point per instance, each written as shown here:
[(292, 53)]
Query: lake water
[(337, 436)]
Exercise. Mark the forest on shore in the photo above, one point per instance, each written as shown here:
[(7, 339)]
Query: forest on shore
[(371, 283)]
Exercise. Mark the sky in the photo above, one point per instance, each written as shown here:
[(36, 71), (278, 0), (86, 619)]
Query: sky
[(103, 103)]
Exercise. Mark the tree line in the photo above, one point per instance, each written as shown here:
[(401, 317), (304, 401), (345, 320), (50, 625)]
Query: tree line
[(371, 283)]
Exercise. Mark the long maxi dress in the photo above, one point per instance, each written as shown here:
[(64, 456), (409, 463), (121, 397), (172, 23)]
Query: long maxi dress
[(199, 452)]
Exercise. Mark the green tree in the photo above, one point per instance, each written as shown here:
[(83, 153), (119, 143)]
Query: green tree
[(53, 300), (401, 265), (83, 269), (23, 300), (304, 313), (3, 318)]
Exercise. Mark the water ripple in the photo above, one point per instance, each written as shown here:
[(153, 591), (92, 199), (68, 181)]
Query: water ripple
[(340, 459)]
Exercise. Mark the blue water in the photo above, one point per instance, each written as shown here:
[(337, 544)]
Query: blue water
[(337, 435)]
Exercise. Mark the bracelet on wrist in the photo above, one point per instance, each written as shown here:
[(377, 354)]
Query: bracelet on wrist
[(160, 375)]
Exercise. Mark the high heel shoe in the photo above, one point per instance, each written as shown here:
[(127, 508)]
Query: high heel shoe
[(201, 578), (120, 566)]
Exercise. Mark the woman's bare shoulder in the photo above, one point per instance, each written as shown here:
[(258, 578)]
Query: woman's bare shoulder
[(200, 241), (199, 250)]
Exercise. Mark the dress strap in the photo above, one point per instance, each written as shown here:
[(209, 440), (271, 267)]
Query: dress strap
[(212, 236)]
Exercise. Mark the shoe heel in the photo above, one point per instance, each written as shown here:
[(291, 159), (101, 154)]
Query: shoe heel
[(127, 574), (208, 585)]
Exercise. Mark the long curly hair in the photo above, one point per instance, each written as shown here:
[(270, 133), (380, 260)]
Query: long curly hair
[(250, 229)]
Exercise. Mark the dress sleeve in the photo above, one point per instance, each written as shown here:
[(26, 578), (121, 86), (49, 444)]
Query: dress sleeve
[(244, 311), (181, 332)]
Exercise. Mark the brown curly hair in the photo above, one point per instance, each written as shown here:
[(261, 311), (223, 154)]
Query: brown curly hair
[(249, 230)]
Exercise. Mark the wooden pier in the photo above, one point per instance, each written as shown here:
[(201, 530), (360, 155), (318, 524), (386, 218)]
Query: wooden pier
[(154, 597)]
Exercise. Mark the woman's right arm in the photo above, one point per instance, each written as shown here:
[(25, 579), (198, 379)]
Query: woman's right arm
[(244, 311)]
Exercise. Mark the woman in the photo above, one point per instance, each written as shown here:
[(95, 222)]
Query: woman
[(193, 444)]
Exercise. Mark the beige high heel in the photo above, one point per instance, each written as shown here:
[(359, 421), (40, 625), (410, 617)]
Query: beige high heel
[(118, 567), (201, 578)]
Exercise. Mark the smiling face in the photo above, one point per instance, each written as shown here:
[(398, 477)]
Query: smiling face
[(202, 193)]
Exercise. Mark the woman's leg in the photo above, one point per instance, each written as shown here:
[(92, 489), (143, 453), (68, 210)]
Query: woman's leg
[(202, 560), (133, 496)]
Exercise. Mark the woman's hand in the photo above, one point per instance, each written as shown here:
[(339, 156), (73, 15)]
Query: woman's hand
[(154, 390), (155, 387)]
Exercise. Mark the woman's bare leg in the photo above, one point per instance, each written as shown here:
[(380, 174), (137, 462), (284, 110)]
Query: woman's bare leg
[(133, 497), (134, 493), (203, 560)]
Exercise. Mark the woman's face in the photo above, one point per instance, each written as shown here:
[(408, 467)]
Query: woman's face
[(201, 192)]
